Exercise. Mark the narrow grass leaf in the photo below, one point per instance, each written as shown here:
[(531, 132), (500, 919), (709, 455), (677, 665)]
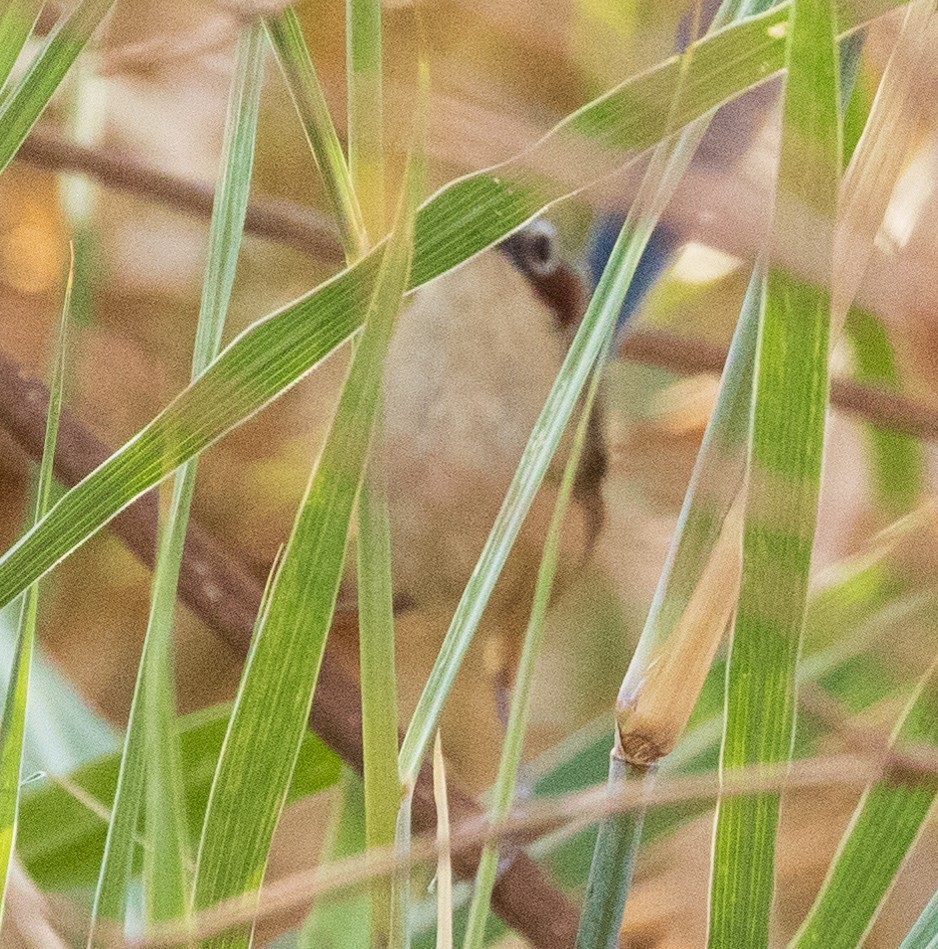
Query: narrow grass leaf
[(16, 23), (110, 897), (343, 918), (286, 37), (653, 709), (887, 822), (444, 867), (166, 864), (856, 103), (365, 135), (150, 744), (279, 678), (786, 448), (897, 460), (375, 595), (86, 109), (507, 778), (366, 109), (461, 220), (63, 821), (924, 934), (378, 681), (31, 95), (13, 725), (613, 864)]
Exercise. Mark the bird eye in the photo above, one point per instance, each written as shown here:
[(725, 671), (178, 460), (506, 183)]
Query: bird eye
[(541, 248), (533, 250)]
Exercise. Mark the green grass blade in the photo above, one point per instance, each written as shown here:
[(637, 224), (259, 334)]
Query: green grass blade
[(231, 197), (150, 744), (32, 94), (365, 109), (378, 682), (859, 101), (343, 919), (401, 934), (781, 502), (166, 875), (897, 460), (365, 134), (507, 778), (653, 709), (376, 618), (286, 37), (612, 866), (462, 219), (643, 719), (887, 822), (13, 725), (63, 822), (16, 23), (86, 111), (277, 685), (924, 934), (110, 897)]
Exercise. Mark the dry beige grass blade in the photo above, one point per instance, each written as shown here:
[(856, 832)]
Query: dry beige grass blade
[(869, 181), (444, 868), (30, 921)]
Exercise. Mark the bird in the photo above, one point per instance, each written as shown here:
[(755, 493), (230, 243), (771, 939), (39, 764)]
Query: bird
[(470, 366), (473, 357)]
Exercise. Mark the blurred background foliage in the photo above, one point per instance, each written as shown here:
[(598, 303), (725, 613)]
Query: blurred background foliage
[(154, 89)]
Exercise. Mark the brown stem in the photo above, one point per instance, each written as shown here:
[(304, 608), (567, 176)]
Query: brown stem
[(225, 594), (282, 221), (684, 354)]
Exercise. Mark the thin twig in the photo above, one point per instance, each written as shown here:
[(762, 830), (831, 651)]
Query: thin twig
[(283, 221), (687, 355), (579, 808)]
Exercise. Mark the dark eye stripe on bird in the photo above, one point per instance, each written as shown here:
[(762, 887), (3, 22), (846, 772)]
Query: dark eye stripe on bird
[(563, 287), (557, 282)]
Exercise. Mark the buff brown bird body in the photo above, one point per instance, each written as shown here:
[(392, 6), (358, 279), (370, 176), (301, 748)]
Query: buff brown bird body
[(473, 358)]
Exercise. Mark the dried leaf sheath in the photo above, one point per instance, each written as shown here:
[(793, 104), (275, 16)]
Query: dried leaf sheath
[(652, 717)]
